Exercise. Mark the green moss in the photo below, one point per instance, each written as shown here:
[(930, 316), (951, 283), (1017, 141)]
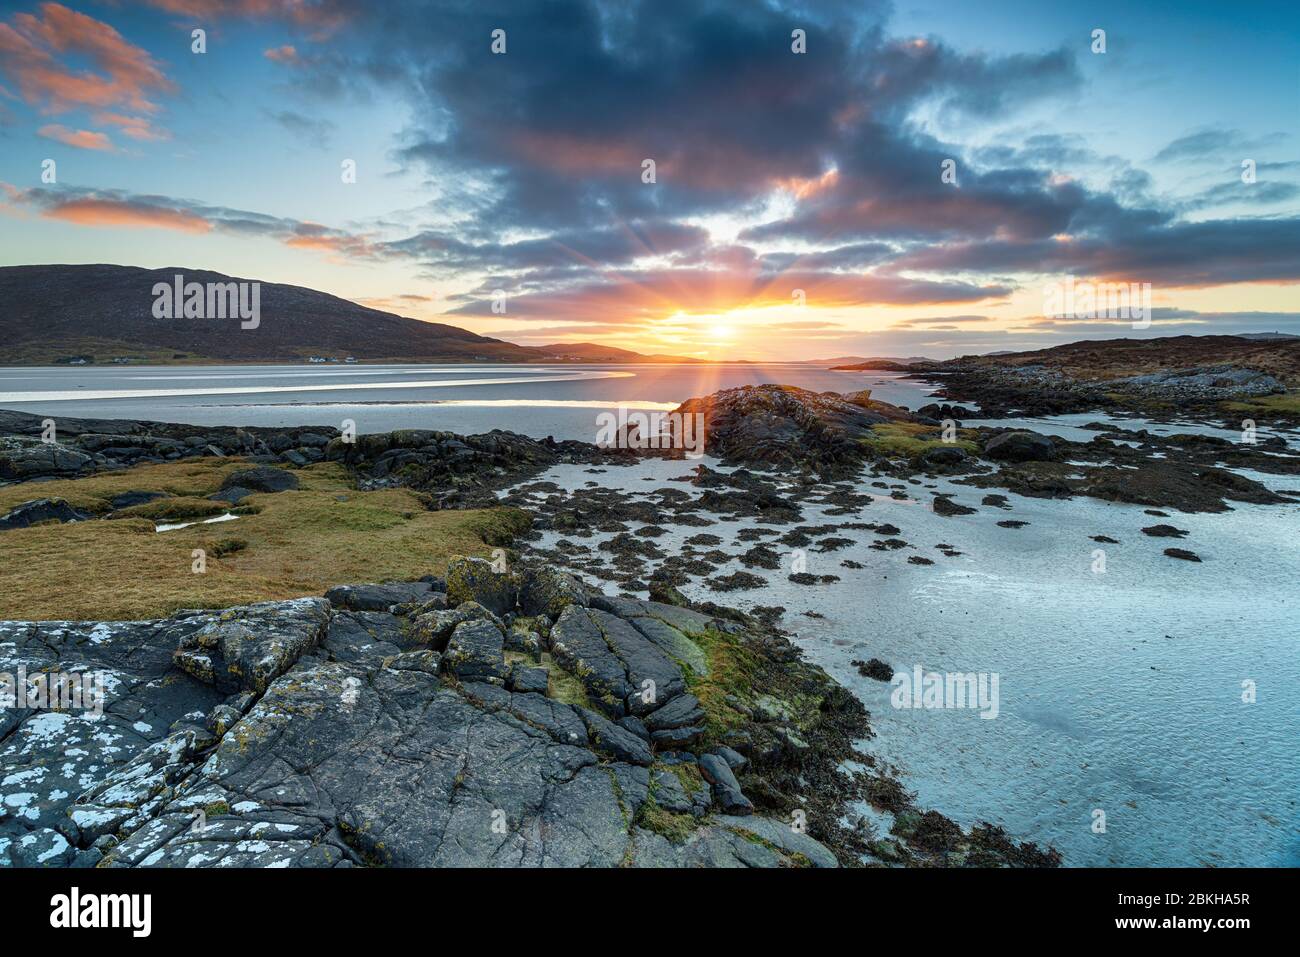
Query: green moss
[(911, 440), (676, 827), (689, 776), (564, 687), (732, 672)]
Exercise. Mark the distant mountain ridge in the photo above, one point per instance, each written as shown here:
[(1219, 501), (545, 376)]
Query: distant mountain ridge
[(57, 313)]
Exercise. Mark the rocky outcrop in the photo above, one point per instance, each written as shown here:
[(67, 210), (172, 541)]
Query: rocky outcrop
[(327, 732), (1020, 445), (786, 427)]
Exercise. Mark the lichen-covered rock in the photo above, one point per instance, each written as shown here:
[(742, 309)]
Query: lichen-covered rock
[(247, 648), (477, 580), (476, 652), (548, 591), (623, 671)]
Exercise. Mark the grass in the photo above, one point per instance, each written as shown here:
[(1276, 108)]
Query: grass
[(1288, 404), (296, 543), (902, 439), (188, 477)]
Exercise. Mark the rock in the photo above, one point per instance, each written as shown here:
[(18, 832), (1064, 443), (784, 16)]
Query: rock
[(474, 579), (787, 427), (1020, 445), (735, 760), (677, 739), (945, 506), (234, 495), (377, 597), (264, 478), (1182, 553), (1164, 531), (127, 499), (671, 794), (247, 648), (619, 743), (524, 640), (782, 835), (428, 662), (525, 680), (42, 510), (634, 724), (726, 789), (875, 669), (680, 711), (622, 670), (434, 628), (944, 456), (475, 652), (548, 591), (42, 461)]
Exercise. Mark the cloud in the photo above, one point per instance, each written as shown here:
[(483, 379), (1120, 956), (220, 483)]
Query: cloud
[(81, 139), (30, 51), (87, 207), (314, 131), (321, 17), (99, 212), (282, 54)]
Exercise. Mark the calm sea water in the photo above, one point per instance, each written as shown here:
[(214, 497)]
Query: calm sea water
[(533, 400), (1119, 692)]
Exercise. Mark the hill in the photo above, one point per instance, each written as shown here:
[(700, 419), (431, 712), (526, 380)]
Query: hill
[(57, 313), (1113, 358)]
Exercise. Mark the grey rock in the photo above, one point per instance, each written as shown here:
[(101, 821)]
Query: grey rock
[(42, 510), (476, 652), (681, 711), (619, 743), (726, 789), (377, 597), (261, 479)]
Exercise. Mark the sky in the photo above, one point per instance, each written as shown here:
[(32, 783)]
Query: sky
[(830, 177)]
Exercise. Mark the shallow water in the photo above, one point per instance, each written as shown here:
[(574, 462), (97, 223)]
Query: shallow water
[(1118, 690), (563, 401)]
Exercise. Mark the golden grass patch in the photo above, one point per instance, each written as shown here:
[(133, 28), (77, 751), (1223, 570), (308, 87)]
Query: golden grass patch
[(297, 543)]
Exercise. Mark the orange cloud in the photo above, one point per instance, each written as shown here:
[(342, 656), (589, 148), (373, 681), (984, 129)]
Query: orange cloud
[(82, 139), (322, 16), (283, 54), (106, 212), (136, 127), (30, 51)]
